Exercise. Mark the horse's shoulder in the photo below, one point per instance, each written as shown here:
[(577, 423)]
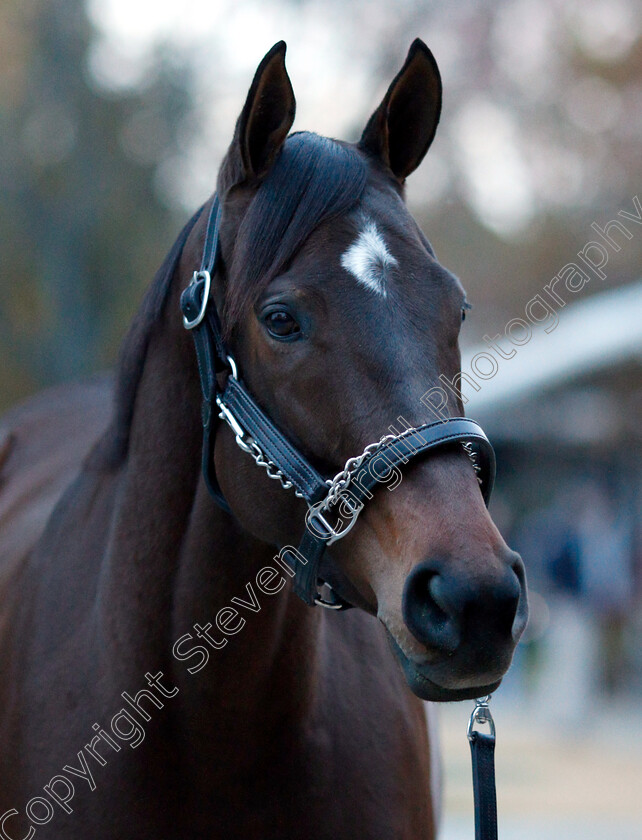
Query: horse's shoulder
[(43, 443)]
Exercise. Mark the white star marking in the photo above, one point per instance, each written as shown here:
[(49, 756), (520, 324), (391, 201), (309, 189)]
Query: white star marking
[(368, 259)]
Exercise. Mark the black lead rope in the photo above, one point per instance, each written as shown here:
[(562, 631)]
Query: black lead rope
[(482, 748)]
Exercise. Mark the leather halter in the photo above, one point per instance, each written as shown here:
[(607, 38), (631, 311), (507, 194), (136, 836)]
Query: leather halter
[(333, 504)]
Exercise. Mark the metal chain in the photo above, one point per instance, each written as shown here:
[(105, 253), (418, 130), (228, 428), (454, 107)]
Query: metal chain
[(269, 466), (249, 445), (468, 449), (352, 465), (343, 478)]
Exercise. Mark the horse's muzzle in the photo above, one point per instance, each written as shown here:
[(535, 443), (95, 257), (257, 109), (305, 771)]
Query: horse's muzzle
[(469, 619)]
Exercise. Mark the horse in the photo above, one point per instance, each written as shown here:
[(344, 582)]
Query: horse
[(160, 674)]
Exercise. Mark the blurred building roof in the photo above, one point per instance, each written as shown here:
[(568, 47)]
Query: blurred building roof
[(574, 383)]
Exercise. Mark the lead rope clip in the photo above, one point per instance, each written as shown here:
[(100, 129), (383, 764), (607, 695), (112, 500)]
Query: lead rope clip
[(482, 749), (481, 715)]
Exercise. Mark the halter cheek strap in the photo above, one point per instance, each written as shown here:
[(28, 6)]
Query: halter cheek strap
[(333, 504)]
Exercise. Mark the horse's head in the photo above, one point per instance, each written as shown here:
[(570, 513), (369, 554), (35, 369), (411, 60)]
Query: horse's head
[(340, 318)]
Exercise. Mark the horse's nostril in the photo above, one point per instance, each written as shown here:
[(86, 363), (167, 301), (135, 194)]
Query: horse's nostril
[(436, 599), (505, 599), (426, 611), (444, 610)]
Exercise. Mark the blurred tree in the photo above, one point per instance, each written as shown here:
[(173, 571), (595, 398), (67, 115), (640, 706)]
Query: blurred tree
[(540, 136), (81, 226)]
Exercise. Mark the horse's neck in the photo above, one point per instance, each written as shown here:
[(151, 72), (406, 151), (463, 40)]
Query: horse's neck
[(154, 497), (246, 660), (175, 560)]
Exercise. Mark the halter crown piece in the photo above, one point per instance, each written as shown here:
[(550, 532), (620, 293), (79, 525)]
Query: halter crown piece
[(333, 504)]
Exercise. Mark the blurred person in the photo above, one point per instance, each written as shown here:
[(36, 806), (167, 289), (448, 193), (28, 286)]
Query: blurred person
[(605, 553)]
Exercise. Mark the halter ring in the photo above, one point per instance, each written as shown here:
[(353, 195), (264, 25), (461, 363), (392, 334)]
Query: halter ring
[(199, 275)]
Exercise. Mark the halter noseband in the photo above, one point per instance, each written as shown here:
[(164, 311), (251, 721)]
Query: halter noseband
[(333, 504)]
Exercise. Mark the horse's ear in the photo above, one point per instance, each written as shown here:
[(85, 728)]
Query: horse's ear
[(264, 123), (403, 126)]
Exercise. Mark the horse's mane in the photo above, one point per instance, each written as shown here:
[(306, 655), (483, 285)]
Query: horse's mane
[(113, 447), (312, 180)]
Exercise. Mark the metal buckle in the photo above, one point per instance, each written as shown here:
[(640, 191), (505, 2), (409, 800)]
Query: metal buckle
[(321, 602), (481, 715), (199, 275), (327, 532), (233, 368)]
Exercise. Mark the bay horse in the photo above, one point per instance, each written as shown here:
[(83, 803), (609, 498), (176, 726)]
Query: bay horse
[(160, 676)]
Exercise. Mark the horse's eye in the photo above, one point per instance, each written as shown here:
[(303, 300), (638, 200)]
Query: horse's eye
[(280, 324)]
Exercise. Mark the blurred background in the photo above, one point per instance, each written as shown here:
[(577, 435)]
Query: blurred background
[(114, 115)]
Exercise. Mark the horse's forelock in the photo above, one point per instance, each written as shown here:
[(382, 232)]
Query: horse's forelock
[(313, 179)]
